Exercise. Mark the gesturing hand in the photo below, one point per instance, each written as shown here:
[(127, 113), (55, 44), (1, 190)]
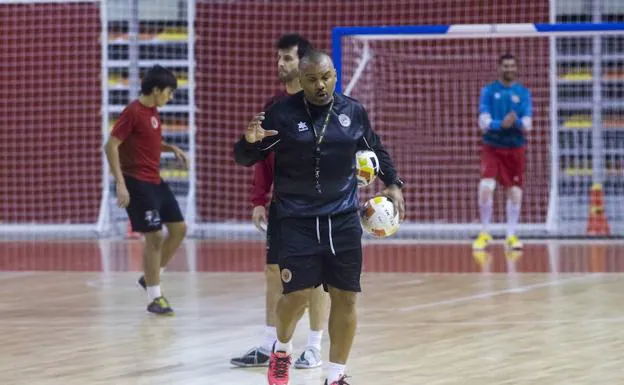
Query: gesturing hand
[(254, 132)]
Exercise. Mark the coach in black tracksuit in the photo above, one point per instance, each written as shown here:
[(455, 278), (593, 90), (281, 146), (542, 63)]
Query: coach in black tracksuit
[(315, 135)]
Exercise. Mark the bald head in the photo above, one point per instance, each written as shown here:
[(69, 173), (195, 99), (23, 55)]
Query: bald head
[(315, 58), (317, 76)]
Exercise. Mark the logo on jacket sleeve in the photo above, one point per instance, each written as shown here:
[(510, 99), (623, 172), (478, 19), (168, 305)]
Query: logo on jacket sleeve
[(302, 126), (344, 120)]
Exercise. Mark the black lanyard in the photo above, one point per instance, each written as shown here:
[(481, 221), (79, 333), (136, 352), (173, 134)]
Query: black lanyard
[(319, 140)]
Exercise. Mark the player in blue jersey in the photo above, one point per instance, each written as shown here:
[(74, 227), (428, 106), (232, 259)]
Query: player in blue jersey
[(505, 118)]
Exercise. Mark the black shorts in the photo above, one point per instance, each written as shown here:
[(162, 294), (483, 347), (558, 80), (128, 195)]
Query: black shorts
[(272, 234), (310, 256), (151, 205)]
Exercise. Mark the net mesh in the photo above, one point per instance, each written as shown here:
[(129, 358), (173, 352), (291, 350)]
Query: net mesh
[(141, 35), (50, 141), (236, 73), (51, 161), (423, 97)]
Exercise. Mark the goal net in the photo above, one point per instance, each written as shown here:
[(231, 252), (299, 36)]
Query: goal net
[(421, 86), (70, 77), (51, 167)]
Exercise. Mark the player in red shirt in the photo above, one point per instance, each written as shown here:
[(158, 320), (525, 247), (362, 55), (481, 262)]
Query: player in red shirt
[(133, 152), (290, 48)]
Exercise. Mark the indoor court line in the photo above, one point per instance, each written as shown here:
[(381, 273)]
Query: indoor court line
[(467, 241), (495, 293), (588, 321)]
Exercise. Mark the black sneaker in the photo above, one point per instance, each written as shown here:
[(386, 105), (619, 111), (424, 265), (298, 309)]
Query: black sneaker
[(341, 381), (141, 283), (160, 306), (254, 358)]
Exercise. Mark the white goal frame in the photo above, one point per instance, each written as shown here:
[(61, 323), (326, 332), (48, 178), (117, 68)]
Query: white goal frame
[(478, 31)]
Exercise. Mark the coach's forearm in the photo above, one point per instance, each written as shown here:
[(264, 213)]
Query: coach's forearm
[(247, 154), (112, 155)]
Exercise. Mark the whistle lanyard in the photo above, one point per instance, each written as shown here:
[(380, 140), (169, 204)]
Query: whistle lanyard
[(318, 139)]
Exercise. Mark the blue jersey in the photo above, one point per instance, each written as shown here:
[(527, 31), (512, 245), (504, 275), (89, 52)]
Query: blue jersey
[(497, 100)]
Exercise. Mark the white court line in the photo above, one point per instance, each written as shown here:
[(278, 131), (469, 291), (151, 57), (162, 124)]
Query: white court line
[(608, 320), (458, 242), (491, 294)]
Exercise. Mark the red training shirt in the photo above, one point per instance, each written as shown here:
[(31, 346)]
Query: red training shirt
[(264, 169), (140, 131)]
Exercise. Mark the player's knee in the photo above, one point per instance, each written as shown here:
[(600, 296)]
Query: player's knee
[(486, 189), (154, 239), (487, 184), (177, 230), (514, 194), (182, 229), (342, 299)]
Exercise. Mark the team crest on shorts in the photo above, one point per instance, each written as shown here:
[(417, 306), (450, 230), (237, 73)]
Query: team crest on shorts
[(286, 275), (154, 122), (152, 218), (344, 120)]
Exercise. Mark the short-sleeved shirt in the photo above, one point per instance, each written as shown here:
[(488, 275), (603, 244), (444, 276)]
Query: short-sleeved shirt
[(139, 128)]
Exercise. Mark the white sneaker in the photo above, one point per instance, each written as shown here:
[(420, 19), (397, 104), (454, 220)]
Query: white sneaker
[(309, 359)]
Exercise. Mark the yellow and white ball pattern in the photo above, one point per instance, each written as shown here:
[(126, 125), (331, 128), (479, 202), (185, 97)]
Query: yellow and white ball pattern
[(379, 218), (366, 167)]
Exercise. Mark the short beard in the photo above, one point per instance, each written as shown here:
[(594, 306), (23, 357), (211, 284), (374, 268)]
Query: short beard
[(509, 77), (287, 78)]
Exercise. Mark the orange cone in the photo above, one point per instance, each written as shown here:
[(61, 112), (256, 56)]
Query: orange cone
[(597, 223)]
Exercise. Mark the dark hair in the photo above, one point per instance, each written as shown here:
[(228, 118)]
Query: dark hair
[(505, 56), (294, 39), (158, 77)]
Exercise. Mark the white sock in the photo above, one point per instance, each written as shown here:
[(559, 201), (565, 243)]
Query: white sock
[(162, 270), (283, 346), (314, 339), (485, 210), (513, 215), (270, 336), (153, 292), (334, 371)]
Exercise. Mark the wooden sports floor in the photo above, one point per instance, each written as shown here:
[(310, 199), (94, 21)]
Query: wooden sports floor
[(430, 314)]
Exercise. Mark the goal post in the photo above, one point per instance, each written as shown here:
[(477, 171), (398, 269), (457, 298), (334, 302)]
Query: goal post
[(421, 85)]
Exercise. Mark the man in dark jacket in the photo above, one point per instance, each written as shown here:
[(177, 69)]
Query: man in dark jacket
[(315, 135)]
